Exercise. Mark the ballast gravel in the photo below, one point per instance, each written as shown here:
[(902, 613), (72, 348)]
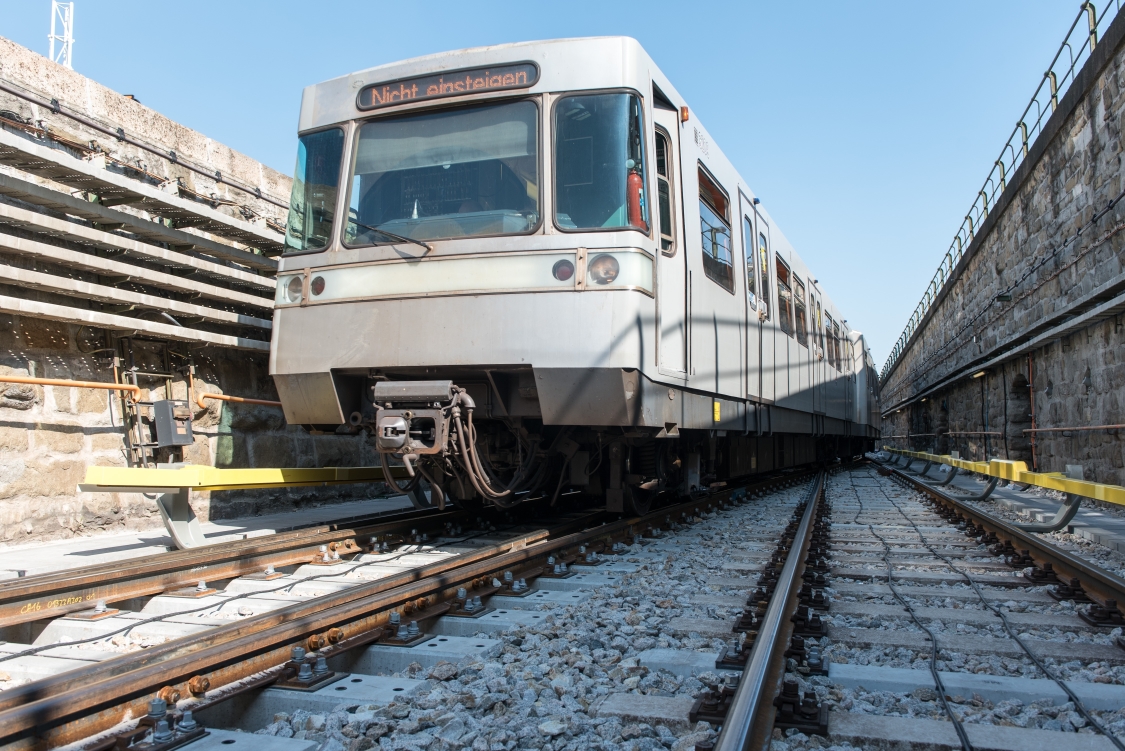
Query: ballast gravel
[(544, 689), (924, 702)]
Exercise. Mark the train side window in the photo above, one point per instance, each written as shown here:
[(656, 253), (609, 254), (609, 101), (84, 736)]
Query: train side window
[(600, 163), (801, 320), (664, 194), (836, 345), (784, 298), (714, 219), (764, 266), (830, 350), (748, 244), (316, 181), (818, 330)]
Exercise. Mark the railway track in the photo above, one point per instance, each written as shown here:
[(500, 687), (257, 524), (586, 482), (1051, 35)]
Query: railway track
[(241, 630), (850, 607), (949, 630)]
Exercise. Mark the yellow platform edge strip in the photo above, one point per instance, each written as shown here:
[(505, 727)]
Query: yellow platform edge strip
[(212, 478), (1018, 472)]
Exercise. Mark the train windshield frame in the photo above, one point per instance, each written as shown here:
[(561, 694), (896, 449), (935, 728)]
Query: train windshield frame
[(312, 200), (446, 174), (600, 162)]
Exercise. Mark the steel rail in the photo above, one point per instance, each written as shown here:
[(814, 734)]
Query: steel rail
[(1099, 584), (75, 705), (749, 724), (56, 594), (119, 688)]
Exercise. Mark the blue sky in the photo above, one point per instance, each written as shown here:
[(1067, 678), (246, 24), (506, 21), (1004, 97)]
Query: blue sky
[(866, 128)]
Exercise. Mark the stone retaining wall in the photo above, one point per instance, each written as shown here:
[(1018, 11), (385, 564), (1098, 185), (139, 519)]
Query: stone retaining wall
[(1041, 237), (50, 435)]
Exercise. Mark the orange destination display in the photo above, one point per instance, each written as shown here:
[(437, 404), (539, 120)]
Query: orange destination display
[(451, 83)]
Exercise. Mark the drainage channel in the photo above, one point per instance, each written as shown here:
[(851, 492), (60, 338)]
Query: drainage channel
[(940, 636), (339, 625)]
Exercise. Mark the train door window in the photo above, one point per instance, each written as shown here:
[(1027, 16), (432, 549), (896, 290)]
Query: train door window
[(819, 330), (784, 298), (600, 163), (830, 349), (801, 322), (764, 266), (714, 219), (316, 180), (748, 244), (836, 341), (664, 194)]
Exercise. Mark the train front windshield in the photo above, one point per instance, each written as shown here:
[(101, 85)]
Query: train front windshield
[(468, 172)]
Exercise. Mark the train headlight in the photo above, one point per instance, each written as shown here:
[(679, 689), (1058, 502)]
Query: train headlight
[(294, 289), (604, 269), (563, 270), (316, 286)]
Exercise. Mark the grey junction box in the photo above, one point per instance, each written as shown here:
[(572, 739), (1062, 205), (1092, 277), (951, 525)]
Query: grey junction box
[(172, 423)]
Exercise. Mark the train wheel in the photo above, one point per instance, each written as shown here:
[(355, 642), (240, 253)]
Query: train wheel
[(637, 501), (420, 496)]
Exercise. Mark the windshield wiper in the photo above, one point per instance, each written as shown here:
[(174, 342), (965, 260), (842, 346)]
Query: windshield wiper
[(393, 236)]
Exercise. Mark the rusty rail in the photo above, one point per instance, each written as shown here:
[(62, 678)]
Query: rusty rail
[(56, 594), (75, 705)]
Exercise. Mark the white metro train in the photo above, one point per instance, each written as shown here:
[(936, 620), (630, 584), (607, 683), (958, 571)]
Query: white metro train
[(528, 271)]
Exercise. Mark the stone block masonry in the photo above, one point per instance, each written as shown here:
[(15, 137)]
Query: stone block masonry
[(1030, 330), (95, 263)]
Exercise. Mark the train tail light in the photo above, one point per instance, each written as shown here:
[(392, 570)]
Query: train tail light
[(563, 270)]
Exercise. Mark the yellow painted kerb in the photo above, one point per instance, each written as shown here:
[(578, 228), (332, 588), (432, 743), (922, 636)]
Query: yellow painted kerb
[(212, 478), (1018, 472)]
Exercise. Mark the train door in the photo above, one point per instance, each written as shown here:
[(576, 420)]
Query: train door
[(671, 312), (767, 365), (716, 290), (754, 292), (816, 350), (787, 364)]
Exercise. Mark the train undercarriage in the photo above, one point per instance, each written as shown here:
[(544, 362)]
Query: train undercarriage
[(454, 451)]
